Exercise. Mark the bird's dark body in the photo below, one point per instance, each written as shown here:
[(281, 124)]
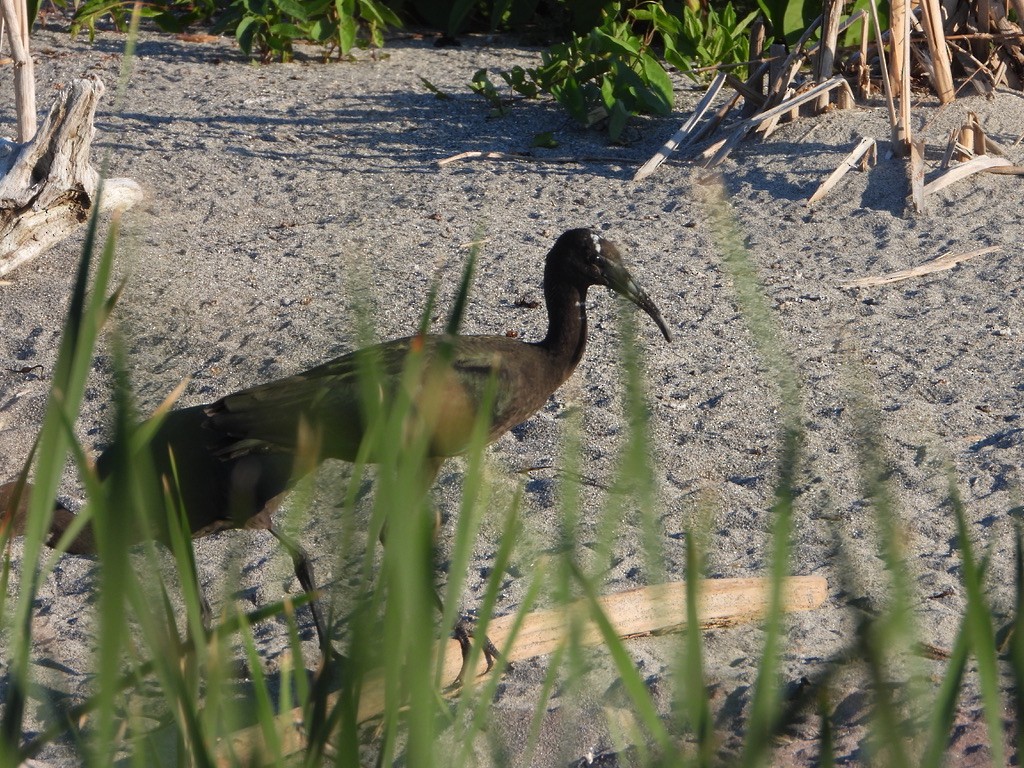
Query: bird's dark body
[(229, 463)]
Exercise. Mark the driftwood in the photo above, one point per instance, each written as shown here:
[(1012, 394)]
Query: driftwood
[(633, 613), (48, 186)]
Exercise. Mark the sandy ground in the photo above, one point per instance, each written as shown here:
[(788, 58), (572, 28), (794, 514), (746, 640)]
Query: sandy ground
[(276, 195)]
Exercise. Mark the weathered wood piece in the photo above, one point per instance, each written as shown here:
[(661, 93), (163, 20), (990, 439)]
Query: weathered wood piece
[(865, 152), (48, 187), (632, 613), (756, 52), (938, 264)]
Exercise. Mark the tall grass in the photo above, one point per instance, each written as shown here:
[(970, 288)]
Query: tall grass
[(144, 642)]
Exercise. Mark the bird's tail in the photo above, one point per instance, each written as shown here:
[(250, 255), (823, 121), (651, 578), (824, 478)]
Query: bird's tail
[(14, 501)]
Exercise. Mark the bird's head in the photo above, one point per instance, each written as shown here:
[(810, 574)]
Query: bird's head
[(585, 258)]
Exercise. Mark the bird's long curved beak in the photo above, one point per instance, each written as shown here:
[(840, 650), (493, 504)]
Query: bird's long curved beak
[(620, 281)]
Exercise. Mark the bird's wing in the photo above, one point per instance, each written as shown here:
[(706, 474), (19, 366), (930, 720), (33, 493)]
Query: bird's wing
[(327, 399)]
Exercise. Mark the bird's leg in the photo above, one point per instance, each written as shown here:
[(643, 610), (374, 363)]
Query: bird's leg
[(304, 573), (463, 630)]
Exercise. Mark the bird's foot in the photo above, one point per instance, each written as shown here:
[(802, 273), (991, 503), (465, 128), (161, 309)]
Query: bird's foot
[(464, 633)]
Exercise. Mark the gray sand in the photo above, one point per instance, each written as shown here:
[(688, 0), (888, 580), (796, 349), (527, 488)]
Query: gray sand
[(276, 195)]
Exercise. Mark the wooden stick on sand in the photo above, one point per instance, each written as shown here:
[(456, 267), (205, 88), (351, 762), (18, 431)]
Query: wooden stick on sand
[(633, 613)]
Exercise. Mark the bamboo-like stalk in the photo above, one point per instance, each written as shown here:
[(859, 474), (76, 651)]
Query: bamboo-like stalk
[(827, 52), (15, 16), (899, 71), (943, 81)]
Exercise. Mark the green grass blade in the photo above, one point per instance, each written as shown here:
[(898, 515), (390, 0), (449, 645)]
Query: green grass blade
[(980, 631)]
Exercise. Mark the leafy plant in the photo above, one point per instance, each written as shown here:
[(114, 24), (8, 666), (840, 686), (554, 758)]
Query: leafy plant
[(271, 27), (169, 15), (699, 38), (604, 76), (267, 29), (789, 18)]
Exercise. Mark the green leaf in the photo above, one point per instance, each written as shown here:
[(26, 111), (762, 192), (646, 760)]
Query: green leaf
[(293, 8), (544, 140), (618, 115), (348, 28), (286, 31), (245, 33)]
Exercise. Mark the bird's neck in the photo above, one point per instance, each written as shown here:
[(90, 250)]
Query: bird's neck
[(567, 323)]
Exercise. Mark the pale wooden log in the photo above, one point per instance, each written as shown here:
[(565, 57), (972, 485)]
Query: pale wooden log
[(962, 171), (632, 613), (48, 186), (865, 151), (684, 131), (943, 80), (917, 174), (15, 17), (825, 60), (984, 18), (776, 66), (938, 264)]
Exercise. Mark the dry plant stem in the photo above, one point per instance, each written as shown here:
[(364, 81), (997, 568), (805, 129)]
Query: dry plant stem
[(943, 262), (971, 167), (866, 149), (951, 148), (15, 17), (749, 124), (917, 174), (684, 131), (899, 71), (634, 613), (48, 185), (890, 102), (827, 53), (756, 51), (522, 157), (943, 81)]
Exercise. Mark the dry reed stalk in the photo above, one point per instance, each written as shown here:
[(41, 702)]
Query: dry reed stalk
[(917, 174), (962, 171), (825, 60), (684, 131), (864, 153), (943, 74), (938, 264)]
